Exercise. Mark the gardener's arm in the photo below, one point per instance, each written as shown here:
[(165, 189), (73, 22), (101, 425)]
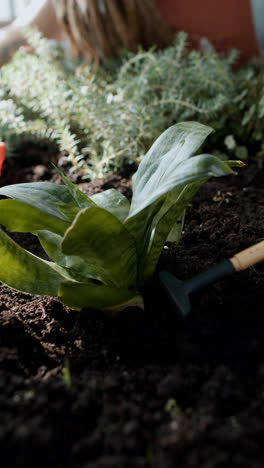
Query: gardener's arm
[(39, 13)]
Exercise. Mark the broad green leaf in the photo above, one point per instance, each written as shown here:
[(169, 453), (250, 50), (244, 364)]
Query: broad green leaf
[(176, 231), (166, 168), (98, 296), (25, 272), (139, 226), (69, 211), (101, 239), (170, 175), (17, 216), (173, 197), (44, 196), (150, 200), (161, 228), (82, 200), (114, 202), (170, 199), (142, 226), (51, 243), (173, 146)]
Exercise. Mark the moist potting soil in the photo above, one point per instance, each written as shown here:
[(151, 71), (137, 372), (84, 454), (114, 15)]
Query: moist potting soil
[(145, 389)]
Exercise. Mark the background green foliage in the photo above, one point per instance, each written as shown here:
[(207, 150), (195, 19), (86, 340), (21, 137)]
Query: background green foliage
[(104, 117)]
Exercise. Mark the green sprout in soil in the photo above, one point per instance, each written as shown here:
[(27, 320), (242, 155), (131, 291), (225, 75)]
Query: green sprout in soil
[(103, 118), (173, 409), (66, 376), (102, 248)]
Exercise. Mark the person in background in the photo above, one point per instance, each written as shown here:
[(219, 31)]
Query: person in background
[(100, 28)]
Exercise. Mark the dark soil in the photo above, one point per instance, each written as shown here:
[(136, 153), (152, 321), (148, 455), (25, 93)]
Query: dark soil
[(146, 389)]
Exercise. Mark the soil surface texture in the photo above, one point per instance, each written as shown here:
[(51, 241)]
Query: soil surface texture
[(147, 389)]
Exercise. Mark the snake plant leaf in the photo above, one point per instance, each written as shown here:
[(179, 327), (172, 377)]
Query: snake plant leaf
[(81, 199), (25, 272), (170, 174), (179, 142), (156, 190), (44, 196), (98, 296), (68, 211), (17, 216), (156, 173), (163, 223), (101, 239), (114, 202), (176, 231), (140, 226), (168, 166), (75, 266)]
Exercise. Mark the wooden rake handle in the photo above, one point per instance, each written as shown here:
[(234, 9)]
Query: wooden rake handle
[(248, 257)]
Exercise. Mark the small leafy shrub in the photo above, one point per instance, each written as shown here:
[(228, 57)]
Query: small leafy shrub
[(102, 248), (105, 117)]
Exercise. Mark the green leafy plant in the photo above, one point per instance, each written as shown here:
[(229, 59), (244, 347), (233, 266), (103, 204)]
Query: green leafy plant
[(100, 118), (102, 248), (105, 117)]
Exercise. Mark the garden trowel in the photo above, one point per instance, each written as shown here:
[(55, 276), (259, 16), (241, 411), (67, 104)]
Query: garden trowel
[(179, 291)]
